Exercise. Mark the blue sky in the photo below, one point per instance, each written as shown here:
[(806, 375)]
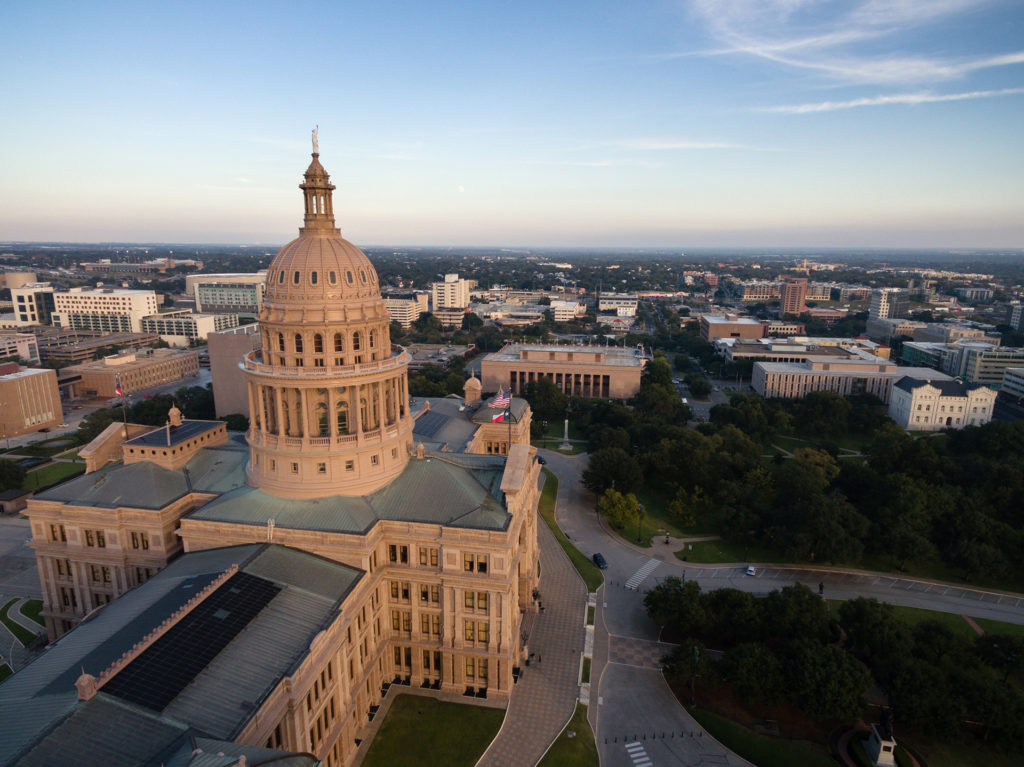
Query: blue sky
[(766, 123)]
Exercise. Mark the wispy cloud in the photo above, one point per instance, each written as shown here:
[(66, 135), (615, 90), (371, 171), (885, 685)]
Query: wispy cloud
[(804, 34), (668, 145), (895, 98)]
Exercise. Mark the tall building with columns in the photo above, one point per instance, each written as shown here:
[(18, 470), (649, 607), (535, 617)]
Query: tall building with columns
[(426, 511)]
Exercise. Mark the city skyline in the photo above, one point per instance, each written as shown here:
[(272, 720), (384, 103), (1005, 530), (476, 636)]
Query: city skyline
[(698, 124)]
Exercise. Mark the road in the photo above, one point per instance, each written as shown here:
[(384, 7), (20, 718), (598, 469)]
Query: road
[(631, 693)]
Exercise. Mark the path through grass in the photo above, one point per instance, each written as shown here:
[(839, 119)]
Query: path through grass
[(580, 750), (588, 570)]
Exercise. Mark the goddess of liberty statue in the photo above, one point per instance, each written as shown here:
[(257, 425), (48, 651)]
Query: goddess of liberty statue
[(316, 144)]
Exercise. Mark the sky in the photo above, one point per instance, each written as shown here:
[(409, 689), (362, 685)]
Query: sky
[(684, 123)]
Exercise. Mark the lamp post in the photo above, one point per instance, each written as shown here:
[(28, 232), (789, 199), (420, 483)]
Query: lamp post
[(639, 520)]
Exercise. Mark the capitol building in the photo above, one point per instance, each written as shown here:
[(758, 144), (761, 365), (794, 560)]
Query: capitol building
[(258, 594)]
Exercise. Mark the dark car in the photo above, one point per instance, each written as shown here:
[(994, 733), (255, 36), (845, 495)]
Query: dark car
[(599, 560), (541, 460)]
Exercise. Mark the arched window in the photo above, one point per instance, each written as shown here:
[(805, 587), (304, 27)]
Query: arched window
[(332, 277), (298, 343), (339, 344), (321, 419), (280, 277), (355, 341), (362, 275), (280, 342), (313, 278), (318, 344), (373, 339), (348, 276), (296, 277), (341, 416)]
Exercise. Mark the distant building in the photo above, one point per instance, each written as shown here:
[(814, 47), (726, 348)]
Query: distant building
[(33, 303), (932, 405), (438, 354), (793, 350), (845, 377), (135, 371), (889, 304), (29, 400), (12, 280), (817, 291), (784, 328), (154, 266), (187, 326), (404, 311), (451, 317), (241, 298), (975, 295), (1013, 383), (948, 332), (83, 346), (988, 365), (1015, 315), (854, 293), (623, 304), (22, 345), (885, 330), (760, 291), (828, 316), (453, 293), (611, 372), (567, 311), (227, 350), (794, 294), (106, 310)]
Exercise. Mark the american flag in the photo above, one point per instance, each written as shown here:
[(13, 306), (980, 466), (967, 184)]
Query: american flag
[(501, 399)]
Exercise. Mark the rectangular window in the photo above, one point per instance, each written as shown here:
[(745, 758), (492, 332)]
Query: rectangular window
[(470, 668), (101, 541), (469, 600), (394, 589), (481, 600), (406, 621), (393, 553), (467, 630), (405, 591), (481, 668), (482, 632), (435, 594), (321, 468), (424, 593), (467, 562), (90, 539), (374, 460), (423, 557), (481, 563), (295, 468), (403, 554), (424, 624), (396, 620), (433, 557)]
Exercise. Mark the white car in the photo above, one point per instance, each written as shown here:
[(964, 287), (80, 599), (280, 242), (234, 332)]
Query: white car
[(751, 570)]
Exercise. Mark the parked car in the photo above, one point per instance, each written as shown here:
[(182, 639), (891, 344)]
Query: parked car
[(541, 460), (600, 561), (751, 570)]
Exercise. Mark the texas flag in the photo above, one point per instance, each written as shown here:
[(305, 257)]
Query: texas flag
[(119, 390), (499, 417)]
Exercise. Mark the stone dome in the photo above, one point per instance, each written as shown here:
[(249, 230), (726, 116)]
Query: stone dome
[(320, 268)]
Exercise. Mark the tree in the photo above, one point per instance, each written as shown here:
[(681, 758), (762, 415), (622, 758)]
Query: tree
[(471, 320), (236, 422), (612, 467), (547, 401), (620, 509), (825, 681), (12, 474), (677, 605), (657, 372), (699, 386), (754, 673)]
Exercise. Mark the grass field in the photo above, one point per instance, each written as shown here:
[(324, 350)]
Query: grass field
[(31, 609), (588, 570), (552, 444), (577, 751), (423, 732), (23, 635), (52, 474), (725, 552), (585, 678), (998, 627), (761, 749)]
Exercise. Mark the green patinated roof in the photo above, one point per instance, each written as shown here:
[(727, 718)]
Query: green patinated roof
[(445, 489)]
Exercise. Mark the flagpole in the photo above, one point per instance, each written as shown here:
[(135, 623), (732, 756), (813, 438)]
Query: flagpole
[(124, 411)]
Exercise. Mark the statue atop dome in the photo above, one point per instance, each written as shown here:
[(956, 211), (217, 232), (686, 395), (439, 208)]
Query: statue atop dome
[(316, 143)]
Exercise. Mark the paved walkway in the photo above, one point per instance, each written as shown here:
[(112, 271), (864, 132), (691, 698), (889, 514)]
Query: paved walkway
[(545, 697)]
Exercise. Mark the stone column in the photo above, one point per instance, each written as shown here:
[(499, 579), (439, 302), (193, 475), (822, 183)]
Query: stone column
[(332, 411), (357, 411), (304, 405), (279, 401), (381, 412), (253, 415)]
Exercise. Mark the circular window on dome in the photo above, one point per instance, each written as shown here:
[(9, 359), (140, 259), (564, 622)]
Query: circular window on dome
[(349, 277), (313, 278), (332, 277), (362, 275)]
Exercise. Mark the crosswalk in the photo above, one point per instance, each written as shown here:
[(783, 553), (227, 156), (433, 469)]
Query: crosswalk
[(639, 755), (639, 576)]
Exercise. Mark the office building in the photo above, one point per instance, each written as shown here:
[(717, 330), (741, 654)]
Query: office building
[(12, 280), (885, 330), (33, 303), (136, 371), (29, 400), (948, 332), (622, 304), (1015, 315), (21, 345), (1013, 383), (243, 298), (75, 346), (988, 365), (567, 311), (796, 380), (182, 326), (888, 304), (714, 326), (611, 372), (932, 405), (227, 349), (404, 311), (105, 310), (794, 295), (453, 293)]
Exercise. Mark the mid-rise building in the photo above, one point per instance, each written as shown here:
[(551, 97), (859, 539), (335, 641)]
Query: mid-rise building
[(105, 310), (185, 326), (81, 346), (153, 266), (1015, 315), (228, 348), (794, 295), (714, 326), (404, 311), (889, 304), (817, 291), (760, 291), (453, 293), (135, 371), (451, 317), (12, 280), (623, 304), (885, 330), (222, 297), (21, 345), (33, 303), (975, 295), (1013, 383), (948, 332), (567, 311), (29, 400), (932, 405), (988, 365), (795, 380), (611, 372)]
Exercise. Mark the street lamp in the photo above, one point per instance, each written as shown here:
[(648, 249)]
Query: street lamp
[(639, 520)]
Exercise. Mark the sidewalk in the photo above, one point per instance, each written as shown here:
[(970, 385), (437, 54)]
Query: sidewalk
[(545, 697)]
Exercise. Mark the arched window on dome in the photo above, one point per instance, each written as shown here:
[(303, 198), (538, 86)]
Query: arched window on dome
[(349, 277), (332, 277), (280, 342), (362, 276), (339, 343), (356, 345), (280, 277), (298, 343), (314, 278), (318, 344)]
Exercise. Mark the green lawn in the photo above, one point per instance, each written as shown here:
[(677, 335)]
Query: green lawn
[(959, 754), (52, 474), (590, 615), (31, 609), (588, 570), (762, 750), (552, 444), (585, 678), (577, 751), (23, 635), (70, 455), (421, 732), (725, 552), (998, 627)]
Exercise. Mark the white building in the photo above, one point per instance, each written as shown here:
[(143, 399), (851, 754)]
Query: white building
[(888, 304), (21, 345), (932, 405), (33, 303), (230, 297), (107, 310), (1013, 382), (193, 281), (795, 380), (623, 304), (453, 293), (180, 327), (404, 311), (567, 311)]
